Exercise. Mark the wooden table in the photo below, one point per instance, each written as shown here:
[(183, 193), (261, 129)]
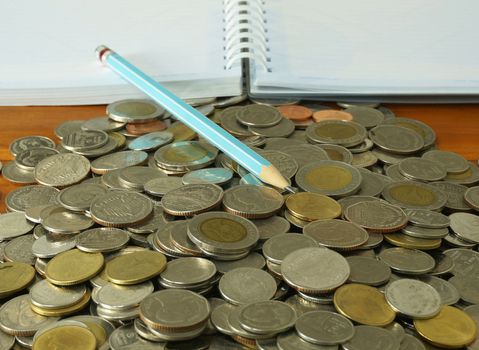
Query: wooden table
[(457, 126)]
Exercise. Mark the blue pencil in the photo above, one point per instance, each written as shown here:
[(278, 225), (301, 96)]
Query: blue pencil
[(216, 135)]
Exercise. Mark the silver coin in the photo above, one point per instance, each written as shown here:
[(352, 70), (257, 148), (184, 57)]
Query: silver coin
[(118, 160), (22, 144), (422, 169), (68, 127), (134, 111), (228, 101), (30, 196), (48, 246), (271, 226), (396, 139), (102, 123), (366, 116), (178, 336), (230, 123), (217, 176), (393, 172), (374, 240), (258, 116), (79, 197), (104, 239), (284, 129), (45, 295), (261, 286), (372, 184), (423, 232), (387, 158), (150, 224), (407, 261), (183, 272), (13, 225), (239, 330), (468, 178), (163, 240), (455, 195), (473, 311), (371, 338), (112, 296), (112, 180), (126, 338), (266, 344), (292, 341), (135, 177), (453, 162), (368, 271), (219, 318), (427, 218), (6, 340), (144, 332), (285, 163), (62, 170), (364, 159), (318, 298), (348, 201), (279, 246), (191, 199), (18, 318), (315, 270), (336, 234), (61, 220), (179, 239), (468, 288), (303, 306), (110, 146), (465, 226), (20, 249), (279, 317), (376, 216), (280, 143), (252, 201), (324, 328), (13, 173), (397, 330), (338, 132), (367, 145), (117, 315), (304, 153), (28, 159), (253, 260), (160, 186), (444, 264), (84, 140), (447, 291), (151, 141), (414, 195), (454, 240), (411, 343), (471, 197)]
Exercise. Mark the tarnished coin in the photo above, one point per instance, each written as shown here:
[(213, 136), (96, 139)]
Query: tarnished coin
[(471, 197), (366, 116), (468, 178), (261, 286), (6, 340), (13, 225), (376, 216), (62, 170), (423, 232), (28, 159), (324, 328), (79, 197), (118, 160), (413, 298), (19, 249), (407, 261), (455, 195), (271, 226), (111, 145), (192, 199), (466, 261), (422, 169), (13, 173), (330, 178), (217, 176), (466, 226), (280, 318), (414, 195), (312, 206), (84, 140), (468, 288), (338, 153), (372, 184), (68, 127), (61, 220), (185, 155), (22, 144), (258, 115), (336, 234), (230, 123), (447, 291), (151, 141), (454, 241), (160, 186), (305, 153), (15, 276), (220, 315), (283, 129), (254, 260), (396, 139), (444, 264), (252, 201), (338, 132), (45, 295), (120, 208), (372, 338), (135, 267), (368, 271), (315, 270), (427, 218), (453, 162), (104, 239), (134, 111), (26, 197), (279, 246)]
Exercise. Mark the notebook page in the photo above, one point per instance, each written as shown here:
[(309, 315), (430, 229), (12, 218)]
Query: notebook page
[(49, 45), (372, 46)]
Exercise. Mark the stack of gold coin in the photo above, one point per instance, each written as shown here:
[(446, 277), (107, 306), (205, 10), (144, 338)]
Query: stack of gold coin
[(305, 207)]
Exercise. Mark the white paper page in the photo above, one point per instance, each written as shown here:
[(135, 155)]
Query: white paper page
[(379, 46), (49, 44)]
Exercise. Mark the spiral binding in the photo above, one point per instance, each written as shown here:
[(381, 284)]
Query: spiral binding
[(245, 33)]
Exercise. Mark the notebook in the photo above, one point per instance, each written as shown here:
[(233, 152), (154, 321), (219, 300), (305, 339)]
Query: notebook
[(378, 50)]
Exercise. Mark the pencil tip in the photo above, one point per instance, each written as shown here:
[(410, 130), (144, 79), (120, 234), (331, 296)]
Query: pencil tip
[(101, 51)]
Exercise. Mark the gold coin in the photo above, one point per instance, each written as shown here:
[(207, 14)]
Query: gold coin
[(402, 240), (119, 138), (73, 267), (187, 153), (363, 304), (413, 195), (135, 267), (66, 337), (14, 276), (451, 328), (223, 230), (312, 206), (181, 132), (65, 310), (329, 177), (98, 331)]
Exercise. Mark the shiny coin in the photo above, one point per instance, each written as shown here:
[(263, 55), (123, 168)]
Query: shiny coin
[(261, 286), (135, 177), (447, 291), (312, 206), (283, 129), (258, 115), (240, 334), (135, 267), (324, 328), (160, 186), (336, 234), (84, 140), (62, 220), (14, 277), (66, 337), (104, 239), (368, 271), (405, 241), (467, 288), (118, 160), (338, 132), (396, 139), (414, 195), (112, 296), (120, 208), (453, 162), (49, 245), (279, 246), (73, 267), (191, 199), (338, 153), (230, 123), (102, 123), (271, 226), (295, 112), (15, 174), (413, 298), (422, 169), (465, 226), (372, 338), (79, 197), (68, 127), (330, 178), (471, 197), (25, 143), (13, 225), (407, 261), (151, 141), (253, 260), (48, 296), (28, 159), (134, 111), (331, 114), (62, 170), (366, 116), (281, 317), (252, 201), (217, 176), (423, 232), (315, 270), (455, 195), (451, 328), (185, 155), (427, 218), (363, 304), (376, 216), (171, 310), (185, 272)]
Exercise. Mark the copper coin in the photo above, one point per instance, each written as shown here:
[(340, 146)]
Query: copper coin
[(145, 128), (295, 112), (331, 114)]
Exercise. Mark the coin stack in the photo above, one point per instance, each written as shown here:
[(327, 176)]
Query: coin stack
[(143, 235)]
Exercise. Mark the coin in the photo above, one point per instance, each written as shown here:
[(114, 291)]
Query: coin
[(15, 174), (295, 112), (49, 245), (466, 261), (427, 218), (466, 226), (473, 312), (414, 195), (134, 111), (188, 272), (471, 197), (185, 155), (79, 197), (258, 115), (279, 246), (15, 276), (331, 114), (118, 160), (285, 163), (369, 271), (329, 177), (102, 329), (84, 140), (219, 318), (283, 129), (312, 206), (13, 225), (261, 286), (252, 201), (447, 291), (102, 123), (315, 270), (145, 128), (19, 249), (336, 234), (407, 261), (28, 159), (151, 141), (338, 153), (271, 226), (451, 328), (422, 129), (114, 297), (135, 177), (230, 123), (135, 267), (423, 232), (291, 341), (338, 132), (467, 288), (372, 184), (405, 241), (71, 337), (364, 159), (160, 186), (254, 260), (192, 199), (120, 208), (304, 154), (366, 116), (45, 295), (324, 328), (22, 144), (61, 220), (62, 170), (396, 139), (372, 338), (376, 216), (467, 178), (104, 239), (455, 195), (217, 176), (454, 163), (281, 317), (68, 127), (422, 169), (126, 337)]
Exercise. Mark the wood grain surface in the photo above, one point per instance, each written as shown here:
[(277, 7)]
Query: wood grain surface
[(456, 126)]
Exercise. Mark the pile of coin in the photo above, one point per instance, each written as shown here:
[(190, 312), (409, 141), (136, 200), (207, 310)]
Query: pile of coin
[(134, 233)]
